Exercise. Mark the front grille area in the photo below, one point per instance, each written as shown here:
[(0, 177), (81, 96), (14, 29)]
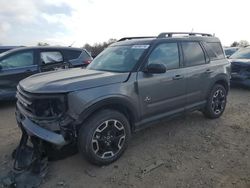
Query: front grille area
[(40, 106), (24, 101)]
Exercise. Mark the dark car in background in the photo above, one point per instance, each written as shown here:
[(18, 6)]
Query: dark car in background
[(20, 63), (6, 48), (230, 50), (240, 67)]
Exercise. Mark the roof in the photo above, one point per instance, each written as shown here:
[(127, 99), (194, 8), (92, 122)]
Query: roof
[(168, 36), (9, 47), (39, 47), (174, 39), (51, 47), (43, 48)]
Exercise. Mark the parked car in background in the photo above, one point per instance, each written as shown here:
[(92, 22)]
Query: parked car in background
[(6, 48), (230, 50), (20, 63), (240, 67)]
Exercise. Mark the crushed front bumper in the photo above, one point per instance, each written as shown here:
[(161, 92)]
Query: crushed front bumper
[(32, 129)]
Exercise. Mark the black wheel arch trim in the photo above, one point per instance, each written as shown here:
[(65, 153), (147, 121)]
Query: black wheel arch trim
[(220, 79), (114, 102)]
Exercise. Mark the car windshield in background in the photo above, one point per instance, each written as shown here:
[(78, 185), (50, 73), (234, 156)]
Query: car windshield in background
[(230, 51), (118, 58), (241, 54)]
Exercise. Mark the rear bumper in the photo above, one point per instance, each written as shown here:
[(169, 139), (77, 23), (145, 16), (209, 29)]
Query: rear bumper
[(32, 129)]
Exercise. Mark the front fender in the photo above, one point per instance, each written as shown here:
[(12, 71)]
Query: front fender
[(83, 103), (114, 100)]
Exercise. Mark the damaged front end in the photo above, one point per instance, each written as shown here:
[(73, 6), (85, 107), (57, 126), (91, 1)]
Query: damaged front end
[(44, 116), (48, 133)]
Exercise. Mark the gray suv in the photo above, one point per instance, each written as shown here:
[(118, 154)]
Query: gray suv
[(131, 84)]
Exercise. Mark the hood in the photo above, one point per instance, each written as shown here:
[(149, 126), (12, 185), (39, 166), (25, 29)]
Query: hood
[(63, 81), (240, 61)]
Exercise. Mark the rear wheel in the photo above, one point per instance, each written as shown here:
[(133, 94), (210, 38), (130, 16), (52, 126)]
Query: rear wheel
[(104, 137), (216, 102)]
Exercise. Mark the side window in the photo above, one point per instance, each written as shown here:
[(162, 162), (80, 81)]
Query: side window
[(166, 54), (214, 50), (193, 53), (51, 57), (21, 59)]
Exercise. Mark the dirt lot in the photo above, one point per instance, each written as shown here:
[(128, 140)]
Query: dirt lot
[(189, 151)]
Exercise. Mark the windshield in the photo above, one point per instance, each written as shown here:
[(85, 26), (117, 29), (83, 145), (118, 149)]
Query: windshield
[(241, 54), (7, 52), (118, 58), (230, 51)]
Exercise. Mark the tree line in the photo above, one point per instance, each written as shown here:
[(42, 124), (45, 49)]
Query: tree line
[(241, 43), (97, 48)]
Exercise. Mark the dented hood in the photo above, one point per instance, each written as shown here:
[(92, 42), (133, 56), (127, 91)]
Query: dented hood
[(63, 81)]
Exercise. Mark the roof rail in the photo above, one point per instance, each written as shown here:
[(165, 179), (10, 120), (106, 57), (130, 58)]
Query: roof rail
[(170, 34), (129, 38)]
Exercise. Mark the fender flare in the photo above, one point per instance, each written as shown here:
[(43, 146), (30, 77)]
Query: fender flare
[(222, 78), (108, 101)]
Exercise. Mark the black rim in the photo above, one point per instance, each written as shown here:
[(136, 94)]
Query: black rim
[(108, 139), (218, 101)]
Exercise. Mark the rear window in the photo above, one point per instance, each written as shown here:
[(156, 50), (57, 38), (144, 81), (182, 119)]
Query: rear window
[(214, 50), (86, 55), (73, 54)]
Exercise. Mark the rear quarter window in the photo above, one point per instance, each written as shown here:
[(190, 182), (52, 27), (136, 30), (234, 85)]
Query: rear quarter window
[(86, 55), (214, 50), (73, 54)]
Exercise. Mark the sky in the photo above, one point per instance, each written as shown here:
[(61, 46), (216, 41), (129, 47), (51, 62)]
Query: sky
[(77, 22)]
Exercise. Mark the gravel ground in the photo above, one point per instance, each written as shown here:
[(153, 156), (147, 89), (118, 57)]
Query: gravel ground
[(189, 151)]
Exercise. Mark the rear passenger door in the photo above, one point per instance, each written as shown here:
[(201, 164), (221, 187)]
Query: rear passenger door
[(198, 72), (51, 60), (163, 94)]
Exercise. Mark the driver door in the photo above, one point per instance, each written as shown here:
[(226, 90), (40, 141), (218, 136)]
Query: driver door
[(165, 93)]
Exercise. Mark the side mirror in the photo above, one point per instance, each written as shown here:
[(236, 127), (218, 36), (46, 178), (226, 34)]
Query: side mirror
[(155, 68)]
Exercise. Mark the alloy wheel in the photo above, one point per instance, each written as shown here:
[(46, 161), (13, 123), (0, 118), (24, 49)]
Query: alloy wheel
[(108, 139), (218, 101)]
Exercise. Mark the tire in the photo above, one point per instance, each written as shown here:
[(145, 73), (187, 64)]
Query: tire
[(104, 137), (216, 102)]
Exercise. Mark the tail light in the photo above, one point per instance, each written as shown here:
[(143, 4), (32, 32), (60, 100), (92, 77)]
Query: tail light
[(86, 62)]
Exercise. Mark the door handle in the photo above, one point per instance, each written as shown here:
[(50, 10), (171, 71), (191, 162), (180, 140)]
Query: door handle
[(28, 70), (178, 77), (208, 71)]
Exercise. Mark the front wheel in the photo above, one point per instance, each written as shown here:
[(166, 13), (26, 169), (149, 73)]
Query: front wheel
[(216, 102), (104, 137)]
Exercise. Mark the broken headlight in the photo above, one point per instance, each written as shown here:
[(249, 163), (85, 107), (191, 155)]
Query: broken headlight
[(50, 107)]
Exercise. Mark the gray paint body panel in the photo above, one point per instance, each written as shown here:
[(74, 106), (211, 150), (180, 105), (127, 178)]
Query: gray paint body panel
[(149, 97)]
